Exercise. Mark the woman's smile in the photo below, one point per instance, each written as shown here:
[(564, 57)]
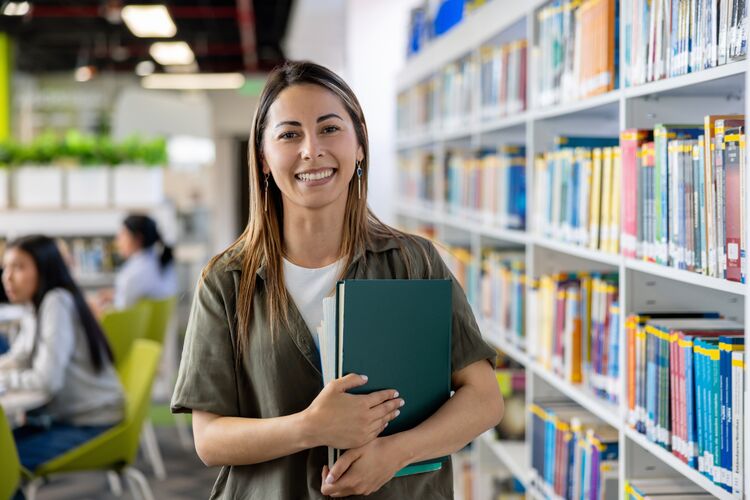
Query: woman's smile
[(316, 177)]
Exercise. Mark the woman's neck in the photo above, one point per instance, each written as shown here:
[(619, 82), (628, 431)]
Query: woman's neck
[(312, 238)]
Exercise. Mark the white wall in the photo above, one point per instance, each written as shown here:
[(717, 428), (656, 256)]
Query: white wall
[(317, 32), (375, 48)]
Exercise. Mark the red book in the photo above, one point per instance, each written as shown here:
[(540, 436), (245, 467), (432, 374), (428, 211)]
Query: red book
[(630, 143)]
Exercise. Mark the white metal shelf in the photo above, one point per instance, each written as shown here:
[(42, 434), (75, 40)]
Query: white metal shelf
[(689, 277), (609, 259), (608, 412), (705, 82), (494, 335), (588, 106), (503, 123), (514, 455), (676, 464)]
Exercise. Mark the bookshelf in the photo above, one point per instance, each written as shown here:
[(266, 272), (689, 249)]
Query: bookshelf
[(643, 286)]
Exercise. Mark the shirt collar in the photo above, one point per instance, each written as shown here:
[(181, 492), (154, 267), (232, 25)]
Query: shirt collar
[(373, 245)]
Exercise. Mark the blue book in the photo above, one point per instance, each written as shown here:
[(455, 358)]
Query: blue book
[(700, 405), (549, 448), (663, 133)]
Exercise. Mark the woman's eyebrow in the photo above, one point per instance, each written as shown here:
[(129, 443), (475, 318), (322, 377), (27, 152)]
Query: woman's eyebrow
[(294, 123)]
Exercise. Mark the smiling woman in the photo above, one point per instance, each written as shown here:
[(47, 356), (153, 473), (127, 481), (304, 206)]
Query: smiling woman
[(250, 371)]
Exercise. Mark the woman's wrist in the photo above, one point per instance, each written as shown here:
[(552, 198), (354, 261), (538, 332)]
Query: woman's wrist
[(308, 430), (399, 451)]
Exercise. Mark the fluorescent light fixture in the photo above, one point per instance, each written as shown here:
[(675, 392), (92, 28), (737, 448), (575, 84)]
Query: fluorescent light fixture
[(16, 9), (171, 53), (197, 81), (144, 68), (149, 21)]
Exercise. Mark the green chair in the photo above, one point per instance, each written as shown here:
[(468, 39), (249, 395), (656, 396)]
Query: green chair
[(123, 327), (10, 466), (161, 315), (114, 450)]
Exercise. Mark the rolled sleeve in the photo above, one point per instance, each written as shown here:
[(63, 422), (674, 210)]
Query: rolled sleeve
[(467, 345), (207, 379)]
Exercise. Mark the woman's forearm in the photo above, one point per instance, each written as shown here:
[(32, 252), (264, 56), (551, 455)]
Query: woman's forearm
[(244, 441), (462, 418)]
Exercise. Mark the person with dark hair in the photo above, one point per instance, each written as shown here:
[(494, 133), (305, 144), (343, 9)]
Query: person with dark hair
[(250, 371), (63, 354), (148, 271)]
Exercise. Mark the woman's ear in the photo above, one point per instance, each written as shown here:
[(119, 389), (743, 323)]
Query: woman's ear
[(360, 153)]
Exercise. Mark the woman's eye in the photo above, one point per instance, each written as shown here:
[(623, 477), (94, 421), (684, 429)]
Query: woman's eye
[(288, 135), (330, 129)]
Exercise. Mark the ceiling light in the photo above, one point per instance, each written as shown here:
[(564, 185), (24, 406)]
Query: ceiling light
[(198, 81), (144, 68), (149, 21), (16, 8), (168, 53)]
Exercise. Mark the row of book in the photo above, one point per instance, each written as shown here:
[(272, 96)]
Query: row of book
[(685, 389), (574, 455), (490, 184), (577, 192), (577, 50), (684, 193), (666, 38), (503, 79), (417, 108), (503, 293), (417, 176), (574, 326)]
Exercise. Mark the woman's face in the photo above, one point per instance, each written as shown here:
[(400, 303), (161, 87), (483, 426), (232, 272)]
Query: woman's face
[(127, 243), (310, 147), (20, 276)]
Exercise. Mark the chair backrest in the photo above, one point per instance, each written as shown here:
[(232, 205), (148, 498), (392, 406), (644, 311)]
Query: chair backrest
[(123, 327), (10, 466), (137, 373), (161, 314)]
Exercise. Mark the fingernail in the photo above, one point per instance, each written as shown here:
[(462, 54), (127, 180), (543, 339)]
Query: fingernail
[(395, 394), (402, 403), (329, 479), (386, 425), (364, 377), (398, 412)]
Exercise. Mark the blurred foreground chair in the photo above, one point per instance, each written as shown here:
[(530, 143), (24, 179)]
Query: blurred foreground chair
[(123, 327), (116, 449), (10, 466)]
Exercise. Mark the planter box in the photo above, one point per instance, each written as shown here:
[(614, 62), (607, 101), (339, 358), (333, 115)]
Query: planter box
[(87, 187), (38, 187), (4, 191), (137, 186)]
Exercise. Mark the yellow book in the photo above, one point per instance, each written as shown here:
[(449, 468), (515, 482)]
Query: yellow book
[(614, 211), (606, 199)]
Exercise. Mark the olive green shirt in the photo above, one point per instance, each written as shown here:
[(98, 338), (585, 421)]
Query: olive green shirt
[(280, 375)]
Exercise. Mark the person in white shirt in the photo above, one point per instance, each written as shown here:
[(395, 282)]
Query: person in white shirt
[(60, 352), (148, 271)]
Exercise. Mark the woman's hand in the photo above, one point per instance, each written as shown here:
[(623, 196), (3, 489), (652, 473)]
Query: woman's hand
[(344, 420), (362, 471)]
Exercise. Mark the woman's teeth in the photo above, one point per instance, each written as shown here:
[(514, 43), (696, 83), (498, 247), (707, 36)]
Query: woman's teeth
[(315, 176)]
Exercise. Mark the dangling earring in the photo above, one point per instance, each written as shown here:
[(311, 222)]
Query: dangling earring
[(265, 195), (358, 164)]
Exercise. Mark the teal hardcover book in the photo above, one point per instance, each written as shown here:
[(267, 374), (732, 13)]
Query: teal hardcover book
[(398, 333)]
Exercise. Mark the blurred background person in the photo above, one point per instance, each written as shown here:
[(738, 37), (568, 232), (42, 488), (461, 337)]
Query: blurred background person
[(63, 355)]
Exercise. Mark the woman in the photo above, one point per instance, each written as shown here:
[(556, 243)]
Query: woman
[(62, 353), (146, 273), (250, 370)]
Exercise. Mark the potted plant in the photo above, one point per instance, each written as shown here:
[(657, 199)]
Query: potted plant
[(37, 182), (139, 181), (87, 177)]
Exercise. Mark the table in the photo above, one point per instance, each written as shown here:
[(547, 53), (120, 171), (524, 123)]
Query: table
[(17, 403)]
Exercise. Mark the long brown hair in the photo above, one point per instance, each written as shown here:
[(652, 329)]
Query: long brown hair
[(262, 240)]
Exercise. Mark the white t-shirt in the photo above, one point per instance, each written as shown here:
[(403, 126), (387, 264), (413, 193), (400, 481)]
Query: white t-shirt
[(308, 288)]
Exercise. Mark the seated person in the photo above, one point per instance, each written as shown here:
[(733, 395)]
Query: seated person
[(62, 353), (148, 272)]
